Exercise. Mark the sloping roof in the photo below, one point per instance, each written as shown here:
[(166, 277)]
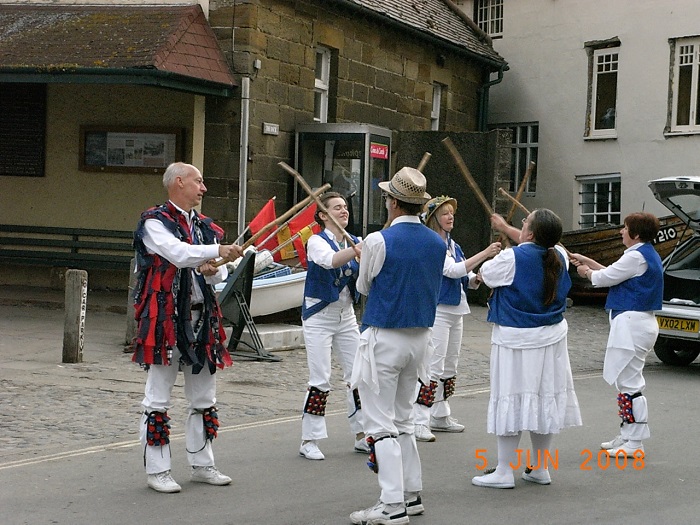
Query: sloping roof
[(169, 46), (439, 19)]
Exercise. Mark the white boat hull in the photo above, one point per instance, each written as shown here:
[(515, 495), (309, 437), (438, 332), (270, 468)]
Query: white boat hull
[(277, 294)]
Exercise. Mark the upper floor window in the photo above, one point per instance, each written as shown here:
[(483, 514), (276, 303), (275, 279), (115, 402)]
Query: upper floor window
[(602, 91), (489, 16), (599, 200), (524, 148), (322, 84), (437, 104), (685, 60)]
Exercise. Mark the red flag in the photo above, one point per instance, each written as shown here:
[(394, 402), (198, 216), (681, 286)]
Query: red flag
[(297, 224), (264, 217)]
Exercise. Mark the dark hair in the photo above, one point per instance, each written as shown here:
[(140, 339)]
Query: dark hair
[(324, 200), (643, 224), (546, 229)]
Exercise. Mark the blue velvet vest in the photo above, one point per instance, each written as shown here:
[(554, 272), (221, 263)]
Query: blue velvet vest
[(521, 304), (643, 293), (405, 292)]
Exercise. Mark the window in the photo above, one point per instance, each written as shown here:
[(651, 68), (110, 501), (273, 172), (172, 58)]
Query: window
[(523, 151), (599, 200), (603, 93), (685, 60), (322, 85), (437, 103), (489, 16), (22, 129)]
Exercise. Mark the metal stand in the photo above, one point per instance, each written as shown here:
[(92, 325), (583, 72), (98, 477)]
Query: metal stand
[(257, 350)]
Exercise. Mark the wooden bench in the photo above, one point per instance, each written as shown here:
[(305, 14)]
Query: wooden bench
[(80, 248)]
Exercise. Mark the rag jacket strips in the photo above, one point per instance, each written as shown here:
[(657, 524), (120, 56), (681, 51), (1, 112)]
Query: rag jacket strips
[(162, 300)]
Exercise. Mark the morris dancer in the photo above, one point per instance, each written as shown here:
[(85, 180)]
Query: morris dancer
[(329, 323), (531, 384), (400, 272), (432, 408), (180, 325), (636, 290)]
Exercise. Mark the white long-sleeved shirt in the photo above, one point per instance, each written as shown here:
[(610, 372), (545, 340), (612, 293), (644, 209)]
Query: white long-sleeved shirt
[(160, 241), (631, 264)]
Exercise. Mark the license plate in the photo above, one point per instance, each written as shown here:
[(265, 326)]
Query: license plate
[(680, 325)]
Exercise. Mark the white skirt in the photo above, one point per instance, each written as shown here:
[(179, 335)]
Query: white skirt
[(532, 389)]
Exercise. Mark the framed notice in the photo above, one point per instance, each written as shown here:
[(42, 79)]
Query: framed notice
[(129, 149)]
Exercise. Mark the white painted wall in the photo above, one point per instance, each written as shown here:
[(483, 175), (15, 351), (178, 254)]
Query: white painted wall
[(543, 44)]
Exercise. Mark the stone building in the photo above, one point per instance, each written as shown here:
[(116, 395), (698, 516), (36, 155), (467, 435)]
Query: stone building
[(222, 84)]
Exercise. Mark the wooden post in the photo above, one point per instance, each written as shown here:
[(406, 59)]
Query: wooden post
[(130, 321), (74, 325)]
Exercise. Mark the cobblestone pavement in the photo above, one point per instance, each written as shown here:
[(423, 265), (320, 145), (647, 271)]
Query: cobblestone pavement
[(47, 406)]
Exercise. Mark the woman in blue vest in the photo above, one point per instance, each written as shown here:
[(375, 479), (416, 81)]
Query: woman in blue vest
[(636, 290), (432, 408), (531, 384), (329, 324)]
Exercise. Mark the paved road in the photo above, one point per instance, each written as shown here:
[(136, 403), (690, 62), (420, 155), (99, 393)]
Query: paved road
[(69, 453)]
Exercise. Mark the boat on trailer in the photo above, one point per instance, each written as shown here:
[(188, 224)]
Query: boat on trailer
[(604, 245)]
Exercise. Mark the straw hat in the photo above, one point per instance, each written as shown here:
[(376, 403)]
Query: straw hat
[(407, 185), (433, 204)]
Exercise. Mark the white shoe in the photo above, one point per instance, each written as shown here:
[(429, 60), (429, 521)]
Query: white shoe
[(310, 450), (627, 450), (381, 514), (494, 481), (539, 476), (361, 446), (445, 424), (613, 443), (163, 482), (423, 433), (414, 504), (209, 474)]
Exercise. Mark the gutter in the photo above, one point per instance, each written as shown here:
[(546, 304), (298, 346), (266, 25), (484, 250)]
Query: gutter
[(484, 99), (72, 74)]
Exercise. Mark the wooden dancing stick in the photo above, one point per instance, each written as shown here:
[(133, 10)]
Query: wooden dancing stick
[(521, 190), (467, 175), (321, 207), (284, 225), (292, 238), (514, 201), (279, 220), (423, 161), (527, 212)]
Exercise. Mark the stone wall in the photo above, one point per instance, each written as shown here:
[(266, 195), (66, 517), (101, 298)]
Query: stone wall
[(379, 75)]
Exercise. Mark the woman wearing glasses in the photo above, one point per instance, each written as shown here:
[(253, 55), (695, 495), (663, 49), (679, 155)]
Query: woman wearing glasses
[(431, 410), (531, 384)]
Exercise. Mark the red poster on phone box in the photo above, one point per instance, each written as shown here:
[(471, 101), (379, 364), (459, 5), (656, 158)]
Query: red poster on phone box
[(378, 151)]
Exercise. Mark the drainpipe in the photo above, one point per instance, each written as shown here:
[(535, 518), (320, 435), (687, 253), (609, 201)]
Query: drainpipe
[(243, 154), (484, 98)]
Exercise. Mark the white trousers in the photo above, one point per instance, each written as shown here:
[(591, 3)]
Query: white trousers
[(200, 392), (447, 341), (632, 337), (387, 410), (333, 330)]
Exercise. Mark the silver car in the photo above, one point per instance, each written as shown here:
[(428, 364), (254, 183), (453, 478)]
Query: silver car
[(679, 319)]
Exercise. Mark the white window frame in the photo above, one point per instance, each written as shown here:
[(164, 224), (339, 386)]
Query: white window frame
[(685, 52), (605, 61), (322, 84), (599, 184), (489, 17), (437, 101), (524, 149)]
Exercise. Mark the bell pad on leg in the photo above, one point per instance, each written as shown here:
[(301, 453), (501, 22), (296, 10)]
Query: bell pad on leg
[(157, 428), (316, 402)]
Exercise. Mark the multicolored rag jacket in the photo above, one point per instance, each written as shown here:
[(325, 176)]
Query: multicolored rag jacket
[(162, 300)]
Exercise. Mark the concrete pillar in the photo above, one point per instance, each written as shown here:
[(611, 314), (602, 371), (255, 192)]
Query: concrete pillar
[(75, 307)]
